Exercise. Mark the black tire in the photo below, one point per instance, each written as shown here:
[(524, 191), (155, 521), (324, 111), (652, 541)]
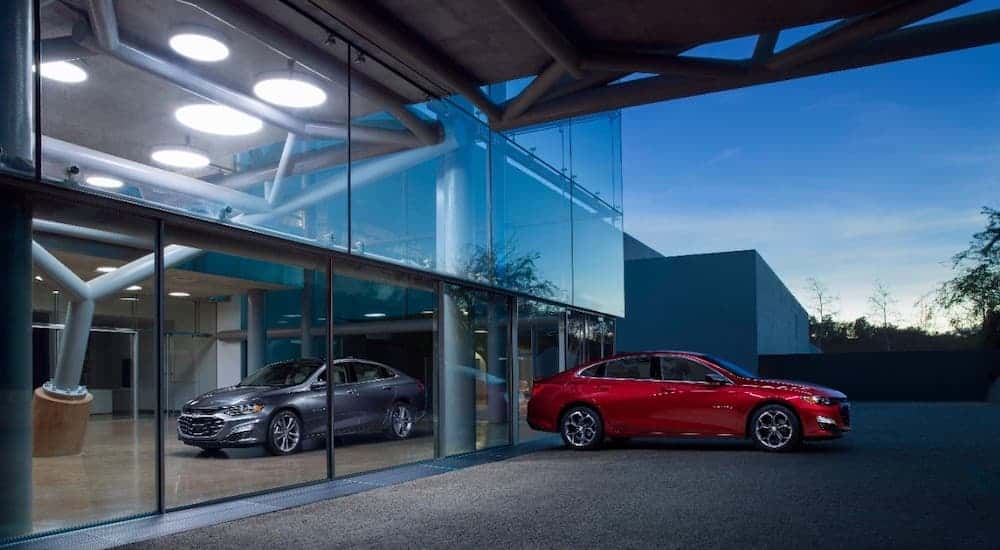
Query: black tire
[(776, 428), (284, 433), (582, 428), (398, 427)]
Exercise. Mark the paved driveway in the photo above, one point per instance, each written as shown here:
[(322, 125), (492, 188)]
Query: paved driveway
[(911, 476)]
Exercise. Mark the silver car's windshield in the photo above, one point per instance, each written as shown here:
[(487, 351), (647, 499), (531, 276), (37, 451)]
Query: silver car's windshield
[(287, 373)]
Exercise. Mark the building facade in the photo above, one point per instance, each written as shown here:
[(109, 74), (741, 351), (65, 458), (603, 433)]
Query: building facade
[(729, 304), (193, 192)]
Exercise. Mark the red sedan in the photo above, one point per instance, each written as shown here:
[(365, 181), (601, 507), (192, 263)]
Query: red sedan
[(686, 395)]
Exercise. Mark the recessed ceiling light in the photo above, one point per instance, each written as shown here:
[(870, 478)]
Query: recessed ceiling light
[(374, 315), (104, 182), (217, 119), (481, 331), (292, 316), (129, 299), (289, 90), (180, 157), (199, 44), (55, 292), (63, 71), (106, 269), (427, 312), (180, 294), (134, 288), (39, 278)]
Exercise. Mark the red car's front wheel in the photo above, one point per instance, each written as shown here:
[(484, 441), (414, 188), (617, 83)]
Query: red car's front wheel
[(582, 428), (776, 428)]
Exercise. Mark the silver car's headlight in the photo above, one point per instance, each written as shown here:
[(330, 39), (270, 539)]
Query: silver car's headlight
[(244, 409), (820, 399)]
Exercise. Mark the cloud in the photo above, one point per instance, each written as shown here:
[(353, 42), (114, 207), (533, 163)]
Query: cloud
[(725, 154)]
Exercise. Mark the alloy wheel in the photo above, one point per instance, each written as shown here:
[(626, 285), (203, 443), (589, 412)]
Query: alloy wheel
[(774, 429), (580, 428), (402, 421), (285, 433)]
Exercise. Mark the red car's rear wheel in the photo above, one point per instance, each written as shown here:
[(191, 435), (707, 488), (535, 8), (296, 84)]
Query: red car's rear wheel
[(582, 428)]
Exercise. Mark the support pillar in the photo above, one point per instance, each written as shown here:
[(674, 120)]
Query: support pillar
[(256, 330), (458, 379), (305, 309), (17, 86), (15, 366)]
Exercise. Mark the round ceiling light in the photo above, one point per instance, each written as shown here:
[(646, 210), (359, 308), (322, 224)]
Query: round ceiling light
[(199, 44), (180, 157), (217, 119), (63, 71), (289, 89), (104, 182), (180, 294)]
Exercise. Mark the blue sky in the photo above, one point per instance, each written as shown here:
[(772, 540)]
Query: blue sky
[(865, 175)]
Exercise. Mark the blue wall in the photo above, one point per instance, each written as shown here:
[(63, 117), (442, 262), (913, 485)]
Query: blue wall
[(703, 302)]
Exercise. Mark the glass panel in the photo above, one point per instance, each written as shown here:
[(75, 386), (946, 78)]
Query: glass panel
[(598, 262), (474, 347), (245, 346), (576, 330), (94, 368), (596, 155), (541, 353), (597, 338), (17, 87), (548, 142), (532, 233), (423, 204), (205, 138), (384, 333)]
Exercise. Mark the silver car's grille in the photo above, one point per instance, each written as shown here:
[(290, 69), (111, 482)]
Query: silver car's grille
[(199, 426)]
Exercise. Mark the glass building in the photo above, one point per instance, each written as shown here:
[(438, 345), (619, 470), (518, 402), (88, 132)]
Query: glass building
[(229, 235)]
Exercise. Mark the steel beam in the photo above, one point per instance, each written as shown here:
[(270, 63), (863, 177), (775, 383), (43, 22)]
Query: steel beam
[(533, 19), (63, 48), (764, 48), (403, 42), (917, 41), (285, 165), (698, 67), (87, 233), (132, 171), (538, 87), (858, 29)]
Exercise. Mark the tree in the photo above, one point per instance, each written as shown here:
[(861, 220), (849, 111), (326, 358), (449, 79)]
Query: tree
[(974, 293), (883, 305), (823, 302)]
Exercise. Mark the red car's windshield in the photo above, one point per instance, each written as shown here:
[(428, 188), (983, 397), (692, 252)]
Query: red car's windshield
[(730, 366)]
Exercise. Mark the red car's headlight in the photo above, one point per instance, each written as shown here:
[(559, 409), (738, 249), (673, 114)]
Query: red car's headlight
[(820, 399)]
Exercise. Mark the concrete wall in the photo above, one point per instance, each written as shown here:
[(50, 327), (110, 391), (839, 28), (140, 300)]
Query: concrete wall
[(893, 376), (782, 323), (702, 302)]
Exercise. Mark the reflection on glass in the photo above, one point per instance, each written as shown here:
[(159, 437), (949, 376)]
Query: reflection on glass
[(474, 346), (246, 379), (532, 233), (541, 331), (94, 370), (596, 155), (383, 404), (598, 259)]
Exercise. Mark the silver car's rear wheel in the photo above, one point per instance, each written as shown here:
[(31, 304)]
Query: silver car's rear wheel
[(401, 421), (284, 434)]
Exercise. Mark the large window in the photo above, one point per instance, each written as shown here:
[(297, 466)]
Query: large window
[(245, 348), (383, 334), (475, 370), (541, 352), (91, 446)]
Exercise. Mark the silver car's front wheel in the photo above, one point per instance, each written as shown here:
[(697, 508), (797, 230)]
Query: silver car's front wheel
[(284, 434)]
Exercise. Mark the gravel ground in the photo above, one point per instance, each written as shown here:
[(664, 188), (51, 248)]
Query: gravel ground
[(911, 476)]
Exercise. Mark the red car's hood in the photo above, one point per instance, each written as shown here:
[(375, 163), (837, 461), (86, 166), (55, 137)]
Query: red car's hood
[(802, 387)]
